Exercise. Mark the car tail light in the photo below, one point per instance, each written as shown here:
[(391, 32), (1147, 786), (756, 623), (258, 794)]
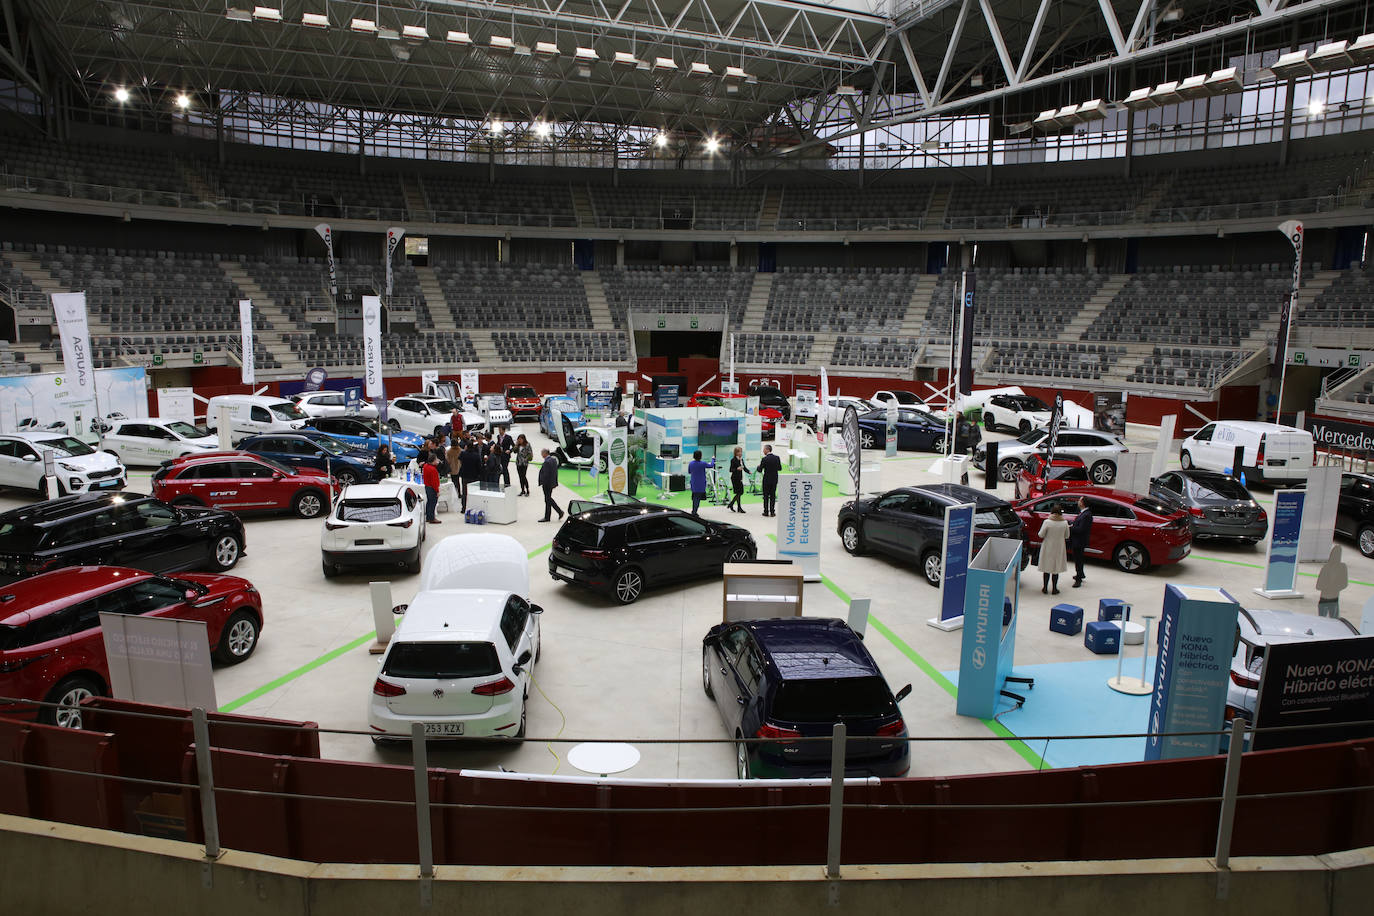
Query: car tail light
[(596, 554), (1262, 514), (1244, 681), (892, 729), (384, 689), (333, 526), (405, 524), (769, 730), (1196, 512), (495, 688), (1259, 455)]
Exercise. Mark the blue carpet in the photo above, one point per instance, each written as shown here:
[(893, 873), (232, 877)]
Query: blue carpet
[(1072, 698)]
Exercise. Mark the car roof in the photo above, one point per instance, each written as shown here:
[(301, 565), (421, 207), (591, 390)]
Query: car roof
[(1201, 475), (213, 456), (382, 489), (39, 435), (958, 493), (807, 648), (52, 511), (1259, 426), (619, 514), (1274, 626), (36, 596), (453, 615)]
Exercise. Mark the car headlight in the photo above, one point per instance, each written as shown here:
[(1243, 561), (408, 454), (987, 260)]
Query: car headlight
[(75, 469)]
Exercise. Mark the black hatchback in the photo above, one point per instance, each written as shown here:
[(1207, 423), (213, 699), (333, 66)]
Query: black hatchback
[(117, 529), (908, 523), (1355, 511), (624, 548), (791, 679)]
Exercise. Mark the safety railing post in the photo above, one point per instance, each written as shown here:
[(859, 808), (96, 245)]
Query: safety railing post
[(209, 817), (1227, 821), (420, 758), (832, 856)]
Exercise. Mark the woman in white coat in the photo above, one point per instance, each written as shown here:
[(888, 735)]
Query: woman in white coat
[(1054, 555)]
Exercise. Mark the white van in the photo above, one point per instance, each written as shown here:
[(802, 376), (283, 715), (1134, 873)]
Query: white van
[(1273, 454), (253, 415)]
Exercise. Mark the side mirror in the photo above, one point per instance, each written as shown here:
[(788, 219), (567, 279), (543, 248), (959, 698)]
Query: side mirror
[(319, 454), (400, 609), (192, 594), (902, 694), (30, 457), (536, 609)]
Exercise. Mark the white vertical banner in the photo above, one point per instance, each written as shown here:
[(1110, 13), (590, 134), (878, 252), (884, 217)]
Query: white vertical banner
[(467, 383), (78, 370), (799, 522), (393, 238), (327, 235), (429, 377), (246, 336), (372, 346), (823, 412)]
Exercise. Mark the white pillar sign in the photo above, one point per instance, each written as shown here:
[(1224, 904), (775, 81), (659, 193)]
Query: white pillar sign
[(799, 522), (78, 370), (246, 338), (372, 346)]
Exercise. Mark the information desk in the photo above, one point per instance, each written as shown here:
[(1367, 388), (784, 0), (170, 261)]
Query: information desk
[(758, 591), (499, 505)]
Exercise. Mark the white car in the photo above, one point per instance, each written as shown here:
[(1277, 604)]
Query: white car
[(420, 413), (1262, 628), (493, 407), (459, 664), (331, 404), (903, 398), (1022, 412), (1271, 453), (149, 442), (1099, 451), (836, 405), (379, 524), (78, 467)]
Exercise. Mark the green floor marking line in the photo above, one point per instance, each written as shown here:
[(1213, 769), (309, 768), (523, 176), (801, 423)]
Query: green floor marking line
[(327, 657), (1309, 575)]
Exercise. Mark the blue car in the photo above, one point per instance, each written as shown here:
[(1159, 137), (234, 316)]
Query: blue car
[(363, 435), (311, 449), (786, 680), (571, 412)]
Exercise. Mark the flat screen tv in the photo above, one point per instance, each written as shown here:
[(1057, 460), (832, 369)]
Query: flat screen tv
[(669, 450), (717, 432)]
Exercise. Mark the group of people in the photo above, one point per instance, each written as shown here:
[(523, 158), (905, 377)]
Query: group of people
[(1058, 539), (770, 466), (467, 458)]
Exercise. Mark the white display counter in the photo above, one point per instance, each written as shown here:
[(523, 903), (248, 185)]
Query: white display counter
[(835, 469), (501, 506)]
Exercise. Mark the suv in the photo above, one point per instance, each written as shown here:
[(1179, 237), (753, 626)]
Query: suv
[(624, 548), (423, 413), (1022, 412), (381, 523), (1260, 629), (77, 467), (332, 404), (358, 434), (522, 400), (311, 450), (791, 679), (1355, 511), (243, 482), (460, 662), (769, 396), (116, 530), (908, 523), (1098, 450), (493, 407), (151, 441), (51, 647)]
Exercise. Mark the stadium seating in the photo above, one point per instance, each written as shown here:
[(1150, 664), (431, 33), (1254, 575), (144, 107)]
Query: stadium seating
[(1020, 303), (561, 346), (458, 200), (531, 296), (676, 289), (1186, 366), (1347, 303), (774, 349), (1084, 201), (1206, 306), (1086, 361), (680, 208), (897, 207), (331, 351), (839, 299), (869, 352)]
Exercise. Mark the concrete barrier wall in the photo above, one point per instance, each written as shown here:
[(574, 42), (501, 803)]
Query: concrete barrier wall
[(58, 869)]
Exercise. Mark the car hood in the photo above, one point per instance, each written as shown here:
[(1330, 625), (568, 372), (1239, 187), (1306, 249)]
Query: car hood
[(99, 461)]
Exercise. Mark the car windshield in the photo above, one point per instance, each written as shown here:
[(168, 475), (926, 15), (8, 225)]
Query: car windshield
[(995, 517), (1150, 504), (19, 538), (1031, 437), (287, 411), (833, 699), (442, 405), (65, 445), (442, 660), (521, 391), (493, 401), (331, 445), (582, 533), (370, 510), (1225, 487), (187, 431)]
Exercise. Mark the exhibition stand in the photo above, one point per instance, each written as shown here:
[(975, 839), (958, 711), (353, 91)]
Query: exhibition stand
[(1281, 563), (1197, 635), (501, 506), (988, 652)]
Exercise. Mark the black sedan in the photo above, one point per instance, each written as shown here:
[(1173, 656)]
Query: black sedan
[(625, 548), (1218, 505), (917, 430), (1355, 511), (793, 679), (908, 523), (117, 529)]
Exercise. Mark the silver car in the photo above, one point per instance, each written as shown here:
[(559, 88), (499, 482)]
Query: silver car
[(1260, 629), (1217, 504), (1099, 452)]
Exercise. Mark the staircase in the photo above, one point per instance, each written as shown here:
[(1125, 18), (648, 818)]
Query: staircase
[(277, 321), (1095, 305), (1312, 287), (583, 208), (913, 323), (485, 349), (757, 305), (1152, 197), (439, 312), (770, 208), (938, 207), (417, 202), (596, 299)]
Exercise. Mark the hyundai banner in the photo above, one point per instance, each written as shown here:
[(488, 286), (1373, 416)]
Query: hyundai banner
[(1281, 566), (372, 346), (246, 361), (799, 522), (393, 238), (78, 369), (1317, 682), (958, 547), (327, 235), (1197, 639)]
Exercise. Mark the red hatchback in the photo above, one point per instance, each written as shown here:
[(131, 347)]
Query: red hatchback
[(244, 482), (1134, 532), (51, 648), (1038, 477)]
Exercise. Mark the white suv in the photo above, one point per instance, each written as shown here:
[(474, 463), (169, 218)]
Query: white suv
[(420, 413), (379, 523), (150, 442), (331, 404), (77, 467), (1099, 452), (460, 664)]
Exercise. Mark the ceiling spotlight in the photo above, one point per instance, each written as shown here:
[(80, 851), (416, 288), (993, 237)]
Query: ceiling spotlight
[(1361, 50), (700, 68), (233, 14), (388, 34), (664, 63), (587, 55), (542, 129), (712, 145), (735, 73), (661, 139), (315, 20), (415, 32), (625, 59), (502, 44), (121, 95), (1316, 108), (458, 38), (183, 101), (546, 49), (496, 126), (363, 25), (1291, 65), (270, 13), (1332, 56), (1140, 99)]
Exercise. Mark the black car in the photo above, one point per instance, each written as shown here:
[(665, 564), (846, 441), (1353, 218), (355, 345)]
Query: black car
[(909, 523), (1355, 511), (1217, 504), (792, 679), (309, 449), (917, 430), (770, 396), (624, 548), (117, 529)]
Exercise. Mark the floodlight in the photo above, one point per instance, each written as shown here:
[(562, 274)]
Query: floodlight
[(1225, 80), (415, 32), (664, 63), (700, 68), (269, 13), (624, 59), (1140, 99), (121, 95), (1166, 93), (502, 44), (315, 20), (363, 25), (1292, 64), (1361, 50), (458, 38), (1331, 56), (234, 14), (546, 49), (1194, 87)]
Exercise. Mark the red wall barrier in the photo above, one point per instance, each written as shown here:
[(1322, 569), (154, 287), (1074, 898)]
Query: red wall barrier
[(86, 797)]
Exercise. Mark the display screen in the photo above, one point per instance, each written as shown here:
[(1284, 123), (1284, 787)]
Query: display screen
[(669, 450), (717, 432)]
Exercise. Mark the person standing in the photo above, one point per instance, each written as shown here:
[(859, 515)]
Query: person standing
[(737, 480), (454, 457), (548, 480), (696, 474), (470, 468), (507, 450), (771, 466), (431, 478), (1054, 536), (455, 422), (524, 454), (491, 476), (1079, 533)]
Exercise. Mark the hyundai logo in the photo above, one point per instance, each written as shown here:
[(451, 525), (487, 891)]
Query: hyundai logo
[(979, 659)]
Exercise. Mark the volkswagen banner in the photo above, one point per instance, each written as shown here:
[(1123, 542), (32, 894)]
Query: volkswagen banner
[(372, 346)]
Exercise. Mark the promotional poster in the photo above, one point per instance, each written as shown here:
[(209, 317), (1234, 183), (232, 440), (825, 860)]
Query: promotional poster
[(1197, 638), (372, 346), (34, 402), (799, 522)]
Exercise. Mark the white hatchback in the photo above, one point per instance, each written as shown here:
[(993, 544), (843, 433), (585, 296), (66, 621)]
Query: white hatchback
[(379, 523), (149, 442), (460, 664), (77, 467)]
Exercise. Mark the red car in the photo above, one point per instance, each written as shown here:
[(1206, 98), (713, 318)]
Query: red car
[(51, 648), (244, 482), (1134, 532), (768, 415), (522, 400), (1038, 476)]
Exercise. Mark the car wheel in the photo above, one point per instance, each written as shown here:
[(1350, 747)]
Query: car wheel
[(66, 698), (988, 422), (706, 673), (739, 555), (1186, 460), (850, 537), (329, 569), (308, 503), (1365, 540), (629, 583), (347, 478), (867, 439), (741, 758), (225, 554), (1023, 427), (931, 566), (1131, 557), (414, 565), (938, 444), (238, 639), (1008, 469), (395, 425), (1103, 473)]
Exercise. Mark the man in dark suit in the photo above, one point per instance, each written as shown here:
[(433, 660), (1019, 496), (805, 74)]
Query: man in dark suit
[(548, 480), (1080, 530), (507, 444), (771, 466)]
